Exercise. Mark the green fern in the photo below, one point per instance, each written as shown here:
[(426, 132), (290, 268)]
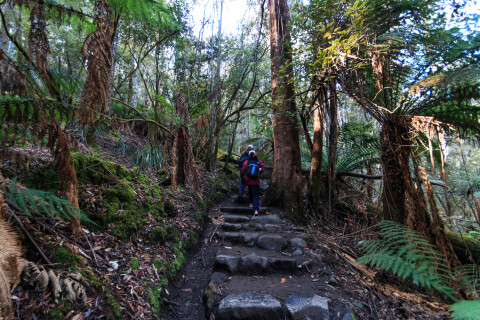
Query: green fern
[(466, 310), (468, 278), (149, 157), (43, 204), (409, 256)]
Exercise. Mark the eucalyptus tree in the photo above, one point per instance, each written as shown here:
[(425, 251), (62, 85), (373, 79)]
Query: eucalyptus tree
[(286, 185)]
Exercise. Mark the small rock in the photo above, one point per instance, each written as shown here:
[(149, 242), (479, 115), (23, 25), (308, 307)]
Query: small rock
[(250, 237), (304, 236), (252, 264), (307, 307), (231, 226), (253, 226), (349, 315), (270, 219), (333, 281), (314, 256), (217, 279), (273, 228), (236, 218), (230, 263), (298, 243), (284, 264), (272, 242), (234, 237), (249, 305), (297, 252)]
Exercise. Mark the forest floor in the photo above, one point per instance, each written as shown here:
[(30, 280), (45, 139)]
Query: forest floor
[(370, 294)]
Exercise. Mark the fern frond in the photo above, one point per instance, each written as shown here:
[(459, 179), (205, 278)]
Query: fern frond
[(409, 256), (34, 202), (466, 310)]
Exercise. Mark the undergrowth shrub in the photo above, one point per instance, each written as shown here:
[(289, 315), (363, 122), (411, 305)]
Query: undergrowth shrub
[(410, 256)]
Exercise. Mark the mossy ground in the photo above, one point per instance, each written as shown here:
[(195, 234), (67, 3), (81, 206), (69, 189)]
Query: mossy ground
[(133, 208)]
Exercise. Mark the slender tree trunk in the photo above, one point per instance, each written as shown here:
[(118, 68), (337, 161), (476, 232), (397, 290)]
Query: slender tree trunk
[(286, 185), (213, 145), (332, 144), (316, 179)]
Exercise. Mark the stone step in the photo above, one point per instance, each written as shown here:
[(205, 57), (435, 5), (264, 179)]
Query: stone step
[(249, 305), (262, 219), (255, 226), (252, 226), (271, 242), (243, 209), (238, 261)]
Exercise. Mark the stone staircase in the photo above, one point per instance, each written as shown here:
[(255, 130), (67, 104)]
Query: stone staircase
[(263, 271)]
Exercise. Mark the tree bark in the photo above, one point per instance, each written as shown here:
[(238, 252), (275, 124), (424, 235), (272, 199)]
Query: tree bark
[(395, 147), (286, 185), (332, 144), (316, 179)]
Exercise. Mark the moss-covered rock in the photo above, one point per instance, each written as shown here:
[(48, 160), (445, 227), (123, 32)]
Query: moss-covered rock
[(93, 170), (158, 235), (64, 256), (162, 173)]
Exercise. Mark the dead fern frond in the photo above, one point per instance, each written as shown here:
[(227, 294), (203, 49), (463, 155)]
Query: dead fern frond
[(97, 50)]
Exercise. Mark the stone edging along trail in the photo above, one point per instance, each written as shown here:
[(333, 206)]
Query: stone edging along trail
[(255, 268)]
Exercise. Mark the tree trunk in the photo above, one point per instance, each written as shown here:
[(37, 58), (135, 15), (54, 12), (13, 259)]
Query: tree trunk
[(316, 179), (286, 185), (332, 145), (395, 144), (212, 145)]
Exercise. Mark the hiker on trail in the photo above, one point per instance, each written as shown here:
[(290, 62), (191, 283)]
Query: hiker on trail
[(242, 179), (252, 168)]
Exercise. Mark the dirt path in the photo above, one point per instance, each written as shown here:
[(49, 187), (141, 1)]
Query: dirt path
[(184, 300)]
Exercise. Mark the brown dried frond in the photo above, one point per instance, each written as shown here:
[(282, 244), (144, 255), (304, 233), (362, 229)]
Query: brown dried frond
[(97, 50), (378, 62), (38, 45), (202, 122), (181, 106), (184, 170), (11, 261), (69, 286)]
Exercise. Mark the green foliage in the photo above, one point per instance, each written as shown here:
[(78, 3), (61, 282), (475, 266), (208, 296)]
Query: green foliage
[(410, 256), (158, 234), (468, 277), (93, 170), (466, 310), (64, 256), (134, 264), (150, 12), (42, 203), (148, 158)]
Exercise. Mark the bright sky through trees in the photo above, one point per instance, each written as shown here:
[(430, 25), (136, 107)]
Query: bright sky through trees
[(234, 11)]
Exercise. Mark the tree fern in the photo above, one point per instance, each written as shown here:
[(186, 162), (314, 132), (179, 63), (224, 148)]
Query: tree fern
[(466, 310), (42, 203), (409, 256)]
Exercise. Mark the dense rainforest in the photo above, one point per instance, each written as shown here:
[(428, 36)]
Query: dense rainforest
[(123, 123)]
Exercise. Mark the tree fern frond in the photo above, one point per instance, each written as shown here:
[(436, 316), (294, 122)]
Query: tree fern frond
[(409, 256), (33, 202), (466, 310)]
